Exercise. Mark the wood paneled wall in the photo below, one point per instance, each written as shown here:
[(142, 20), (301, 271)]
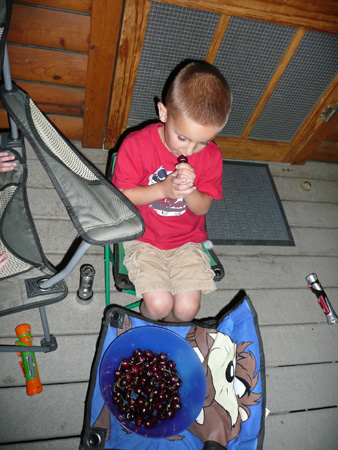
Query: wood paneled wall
[(62, 52)]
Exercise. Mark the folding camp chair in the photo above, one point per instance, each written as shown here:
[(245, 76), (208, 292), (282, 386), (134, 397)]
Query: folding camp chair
[(120, 273), (99, 212), (230, 350)]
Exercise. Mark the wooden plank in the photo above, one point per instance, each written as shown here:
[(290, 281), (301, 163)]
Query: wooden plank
[(275, 272), (104, 36), (55, 99), (310, 430), (67, 317), (314, 130), (298, 388), (299, 344), (312, 170), (249, 149), (3, 120), (320, 16), (78, 349), (217, 38), (288, 55), (319, 215), (70, 126), (308, 242), (57, 412), (333, 135), (83, 6), (49, 28), (321, 191), (50, 444), (135, 18), (47, 66), (281, 306), (327, 152)]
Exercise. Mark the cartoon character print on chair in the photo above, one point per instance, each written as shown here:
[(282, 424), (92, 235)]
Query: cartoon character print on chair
[(231, 378)]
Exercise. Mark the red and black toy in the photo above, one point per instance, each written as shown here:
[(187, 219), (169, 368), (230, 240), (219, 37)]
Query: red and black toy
[(323, 301)]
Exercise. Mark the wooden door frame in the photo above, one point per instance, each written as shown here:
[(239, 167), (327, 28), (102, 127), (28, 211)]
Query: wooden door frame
[(104, 38), (312, 15)]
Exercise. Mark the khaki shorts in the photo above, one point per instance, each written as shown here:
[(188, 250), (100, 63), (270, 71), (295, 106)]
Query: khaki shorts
[(181, 269)]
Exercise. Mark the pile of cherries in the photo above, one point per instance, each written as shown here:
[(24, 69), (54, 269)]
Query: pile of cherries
[(146, 388)]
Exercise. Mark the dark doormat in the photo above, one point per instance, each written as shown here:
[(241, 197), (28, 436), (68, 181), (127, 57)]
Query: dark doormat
[(250, 212)]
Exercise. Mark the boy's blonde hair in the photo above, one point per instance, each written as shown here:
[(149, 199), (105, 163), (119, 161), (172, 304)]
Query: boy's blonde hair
[(201, 93)]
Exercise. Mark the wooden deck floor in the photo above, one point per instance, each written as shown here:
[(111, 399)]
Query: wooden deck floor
[(301, 349)]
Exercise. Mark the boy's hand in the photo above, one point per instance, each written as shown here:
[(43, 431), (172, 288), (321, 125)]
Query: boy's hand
[(5, 162), (185, 171), (181, 182)]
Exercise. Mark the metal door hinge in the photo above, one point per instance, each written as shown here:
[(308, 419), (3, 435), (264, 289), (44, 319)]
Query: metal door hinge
[(329, 112)]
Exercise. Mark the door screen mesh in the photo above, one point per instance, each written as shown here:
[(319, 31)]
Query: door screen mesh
[(305, 80), (248, 56), (173, 34)]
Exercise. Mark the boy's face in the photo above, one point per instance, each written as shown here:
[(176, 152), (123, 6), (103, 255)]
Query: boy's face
[(183, 136)]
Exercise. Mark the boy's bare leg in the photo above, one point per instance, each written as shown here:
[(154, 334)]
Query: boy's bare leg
[(186, 306), (156, 304)]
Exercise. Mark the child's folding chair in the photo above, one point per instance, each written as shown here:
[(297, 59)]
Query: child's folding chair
[(230, 350)]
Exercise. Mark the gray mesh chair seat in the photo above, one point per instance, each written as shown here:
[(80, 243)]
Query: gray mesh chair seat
[(19, 238), (99, 212)]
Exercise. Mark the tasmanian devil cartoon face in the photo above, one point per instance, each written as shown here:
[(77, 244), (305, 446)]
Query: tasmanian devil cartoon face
[(222, 367), (230, 376)]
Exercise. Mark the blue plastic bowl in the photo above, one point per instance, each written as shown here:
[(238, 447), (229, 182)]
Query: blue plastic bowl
[(188, 365)]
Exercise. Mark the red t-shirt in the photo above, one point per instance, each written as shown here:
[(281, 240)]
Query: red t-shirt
[(143, 160)]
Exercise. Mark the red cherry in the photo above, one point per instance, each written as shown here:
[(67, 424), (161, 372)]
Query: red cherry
[(171, 364), (162, 415), (148, 354), (135, 369), (170, 413), (124, 364), (148, 423), (138, 421), (182, 159), (118, 374), (176, 405), (159, 406)]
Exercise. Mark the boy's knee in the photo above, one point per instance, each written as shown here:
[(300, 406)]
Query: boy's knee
[(186, 311), (157, 306)]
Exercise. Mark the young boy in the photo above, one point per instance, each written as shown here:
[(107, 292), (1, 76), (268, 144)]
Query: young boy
[(167, 264)]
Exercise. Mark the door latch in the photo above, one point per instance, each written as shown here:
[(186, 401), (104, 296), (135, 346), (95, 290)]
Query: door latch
[(329, 112)]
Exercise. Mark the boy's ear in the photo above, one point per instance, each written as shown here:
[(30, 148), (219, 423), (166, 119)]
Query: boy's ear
[(162, 112)]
